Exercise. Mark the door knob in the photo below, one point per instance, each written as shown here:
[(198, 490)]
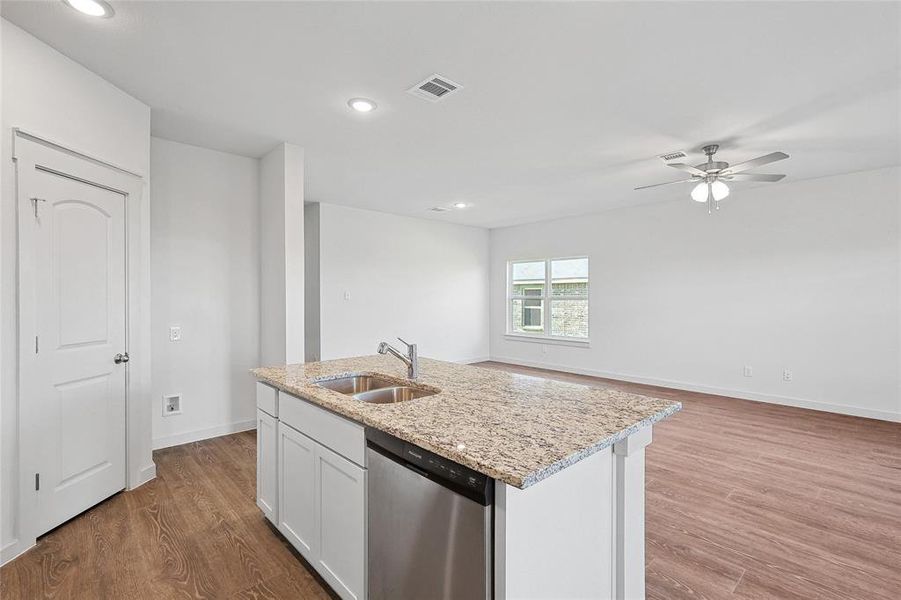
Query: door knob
[(120, 358)]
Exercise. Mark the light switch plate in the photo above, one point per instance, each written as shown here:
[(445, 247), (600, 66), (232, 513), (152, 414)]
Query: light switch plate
[(175, 334)]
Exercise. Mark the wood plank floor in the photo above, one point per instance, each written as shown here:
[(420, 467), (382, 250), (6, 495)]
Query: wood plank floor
[(750, 500), (193, 532), (744, 500)]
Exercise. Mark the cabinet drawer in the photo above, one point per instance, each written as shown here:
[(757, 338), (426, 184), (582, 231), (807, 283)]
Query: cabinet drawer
[(267, 399), (336, 433)]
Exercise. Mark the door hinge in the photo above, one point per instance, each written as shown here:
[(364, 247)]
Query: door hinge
[(36, 345), (37, 482), (35, 201)]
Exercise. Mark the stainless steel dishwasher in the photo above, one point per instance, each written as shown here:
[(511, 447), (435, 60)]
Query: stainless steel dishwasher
[(430, 524)]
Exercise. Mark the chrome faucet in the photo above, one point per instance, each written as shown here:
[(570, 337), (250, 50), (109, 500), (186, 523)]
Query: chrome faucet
[(411, 359)]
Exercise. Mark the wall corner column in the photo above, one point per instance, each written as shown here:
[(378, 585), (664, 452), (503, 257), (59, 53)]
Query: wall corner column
[(282, 256)]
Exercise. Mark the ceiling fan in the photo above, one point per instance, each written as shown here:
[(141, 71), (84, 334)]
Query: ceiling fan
[(712, 175)]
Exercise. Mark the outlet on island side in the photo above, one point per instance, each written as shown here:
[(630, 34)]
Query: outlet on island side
[(171, 405)]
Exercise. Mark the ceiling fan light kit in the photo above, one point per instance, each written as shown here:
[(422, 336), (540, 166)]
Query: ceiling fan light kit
[(711, 177), (704, 190)]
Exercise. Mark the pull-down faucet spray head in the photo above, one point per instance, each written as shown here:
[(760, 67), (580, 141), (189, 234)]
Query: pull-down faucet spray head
[(411, 359)]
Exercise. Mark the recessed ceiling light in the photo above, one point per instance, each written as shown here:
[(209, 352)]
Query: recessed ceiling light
[(93, 8), (460, 205), (363, 105)]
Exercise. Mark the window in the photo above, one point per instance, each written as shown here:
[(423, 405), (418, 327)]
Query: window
[(548, 298)]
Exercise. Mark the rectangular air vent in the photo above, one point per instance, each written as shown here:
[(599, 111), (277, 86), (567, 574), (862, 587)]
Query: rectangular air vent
[(439, 209), (434, 88), (670, 156)]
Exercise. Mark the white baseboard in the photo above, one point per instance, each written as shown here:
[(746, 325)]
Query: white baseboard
[(469, 361), (842, 409), (202, 434), (14, 549), (147, 473)]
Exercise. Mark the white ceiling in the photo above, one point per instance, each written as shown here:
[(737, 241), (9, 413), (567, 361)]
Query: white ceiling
[(564, 108)]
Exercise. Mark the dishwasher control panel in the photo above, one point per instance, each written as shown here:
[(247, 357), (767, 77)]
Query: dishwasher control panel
[(468, 482)]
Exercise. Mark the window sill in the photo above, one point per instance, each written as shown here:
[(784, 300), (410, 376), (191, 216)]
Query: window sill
[(577, 343)]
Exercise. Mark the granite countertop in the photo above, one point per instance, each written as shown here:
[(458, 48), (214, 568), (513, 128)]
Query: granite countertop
[(519, 429)]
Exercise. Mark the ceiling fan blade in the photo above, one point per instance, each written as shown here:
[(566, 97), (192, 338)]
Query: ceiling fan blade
[(753, 177), (644, 187), (756, 162), (687, 169)]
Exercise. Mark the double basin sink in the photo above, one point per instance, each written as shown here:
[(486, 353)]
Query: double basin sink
[(374, 389)]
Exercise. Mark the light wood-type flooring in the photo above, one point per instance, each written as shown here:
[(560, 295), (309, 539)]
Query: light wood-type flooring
[(744, 500)]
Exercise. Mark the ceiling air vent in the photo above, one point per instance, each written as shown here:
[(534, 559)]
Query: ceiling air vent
[(670, 156), (439, 209), (435, 88)]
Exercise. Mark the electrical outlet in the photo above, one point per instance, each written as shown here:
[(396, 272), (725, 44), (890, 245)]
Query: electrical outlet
[(786, 375), (175, 334), (748, 371), (543, 349), (171, 405), (346, 295)]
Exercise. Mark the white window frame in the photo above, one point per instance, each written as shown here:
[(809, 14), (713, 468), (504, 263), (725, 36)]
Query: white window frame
[(547, 297)]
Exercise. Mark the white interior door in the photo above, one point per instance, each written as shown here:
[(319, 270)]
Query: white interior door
[(73, 391)]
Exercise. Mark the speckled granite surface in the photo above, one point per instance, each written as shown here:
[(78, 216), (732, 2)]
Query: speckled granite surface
[(516, 428)]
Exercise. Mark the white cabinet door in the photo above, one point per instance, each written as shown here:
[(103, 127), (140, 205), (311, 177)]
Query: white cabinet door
[(341, 507), (267, 466), (297, 518)]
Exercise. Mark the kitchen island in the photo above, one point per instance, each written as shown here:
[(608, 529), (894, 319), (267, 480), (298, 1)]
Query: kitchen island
[(567, 462)]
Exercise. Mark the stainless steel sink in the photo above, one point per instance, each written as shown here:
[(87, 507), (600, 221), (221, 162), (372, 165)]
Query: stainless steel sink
[(373, 389), (390, 395), (355, 384)]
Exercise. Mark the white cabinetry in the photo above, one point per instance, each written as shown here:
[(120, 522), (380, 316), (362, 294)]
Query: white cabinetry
[(321, 485), (341, 503), (267, 465), (267, 451), (297, 490)]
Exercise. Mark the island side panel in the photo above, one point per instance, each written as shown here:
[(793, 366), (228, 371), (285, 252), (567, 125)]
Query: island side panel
[(629, 515), (556, 539)]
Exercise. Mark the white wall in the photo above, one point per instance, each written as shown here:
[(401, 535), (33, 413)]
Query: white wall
[(802, 276), (49, 95), (205, 279), (281, 256), (419, 279)]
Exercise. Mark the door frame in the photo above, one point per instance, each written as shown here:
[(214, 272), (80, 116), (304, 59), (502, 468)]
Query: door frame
[(31, 153)]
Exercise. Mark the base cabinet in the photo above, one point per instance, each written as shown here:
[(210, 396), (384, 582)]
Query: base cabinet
[(297, 491), (267, 465), (322, 510), (341, 512)]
